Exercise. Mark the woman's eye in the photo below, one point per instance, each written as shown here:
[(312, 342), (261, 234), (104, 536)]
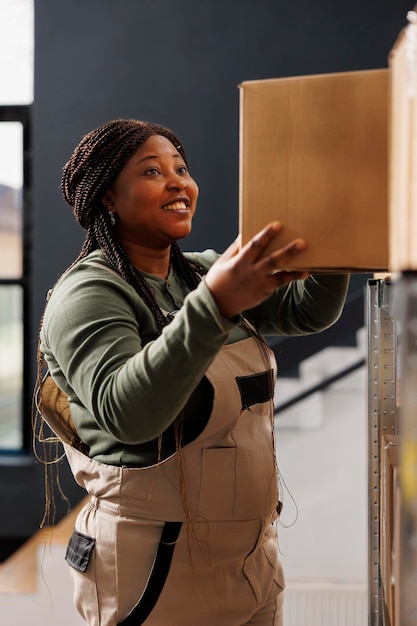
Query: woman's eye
[(182, 170), (152, 170)]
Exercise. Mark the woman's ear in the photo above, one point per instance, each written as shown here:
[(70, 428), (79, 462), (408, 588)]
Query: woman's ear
[(108, 200)]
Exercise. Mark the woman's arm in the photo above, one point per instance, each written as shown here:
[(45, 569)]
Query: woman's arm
[(302, 307), (92, 338), (248, 279)]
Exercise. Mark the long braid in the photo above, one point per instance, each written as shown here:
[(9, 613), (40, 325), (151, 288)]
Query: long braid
[(117, 256), (188, 270)]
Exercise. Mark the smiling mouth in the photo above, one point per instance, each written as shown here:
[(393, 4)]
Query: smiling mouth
[(176, 206)]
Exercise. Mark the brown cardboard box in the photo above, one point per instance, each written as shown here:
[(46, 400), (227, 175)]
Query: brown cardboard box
[(314, 155), (390, 459), (403, 155)]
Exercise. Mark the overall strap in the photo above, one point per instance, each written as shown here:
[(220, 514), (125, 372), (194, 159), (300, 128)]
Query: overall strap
[(157, 577)]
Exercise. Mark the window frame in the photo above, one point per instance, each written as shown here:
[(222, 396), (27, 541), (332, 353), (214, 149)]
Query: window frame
[(22, 113)]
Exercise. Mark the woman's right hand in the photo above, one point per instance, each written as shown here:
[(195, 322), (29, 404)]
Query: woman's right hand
[(242, 278)]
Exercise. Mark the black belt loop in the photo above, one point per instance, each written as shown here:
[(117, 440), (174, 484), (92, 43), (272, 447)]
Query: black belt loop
[(159, 573)]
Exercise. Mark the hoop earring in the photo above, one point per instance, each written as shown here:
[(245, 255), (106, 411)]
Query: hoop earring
[(112, 218)]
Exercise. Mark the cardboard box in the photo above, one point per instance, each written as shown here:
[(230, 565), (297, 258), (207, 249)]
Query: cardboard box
[(390, 461), (314, 155), (403, 153)]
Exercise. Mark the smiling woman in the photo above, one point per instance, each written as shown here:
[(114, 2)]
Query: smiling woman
[(153, 201), (154, 373)]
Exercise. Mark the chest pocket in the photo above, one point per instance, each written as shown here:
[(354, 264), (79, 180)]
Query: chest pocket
[(256, 388)]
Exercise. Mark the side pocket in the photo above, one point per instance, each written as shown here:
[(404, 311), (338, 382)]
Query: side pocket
[(79, 551)]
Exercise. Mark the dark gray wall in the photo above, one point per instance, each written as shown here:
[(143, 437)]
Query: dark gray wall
[(178, 63)]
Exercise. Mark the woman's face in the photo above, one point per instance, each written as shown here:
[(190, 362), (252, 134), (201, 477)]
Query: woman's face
[(154, 197)]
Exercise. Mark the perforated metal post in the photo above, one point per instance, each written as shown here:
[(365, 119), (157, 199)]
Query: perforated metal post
[(381, 420)]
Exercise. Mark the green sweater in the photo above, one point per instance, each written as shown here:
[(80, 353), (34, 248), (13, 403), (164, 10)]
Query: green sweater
[(126, 385)]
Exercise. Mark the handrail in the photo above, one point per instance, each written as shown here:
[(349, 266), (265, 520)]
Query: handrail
[(319, 386), (291, 351)]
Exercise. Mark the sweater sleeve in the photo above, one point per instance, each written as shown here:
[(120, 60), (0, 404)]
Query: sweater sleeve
[(302, 307), (299, 308), (93, 340)]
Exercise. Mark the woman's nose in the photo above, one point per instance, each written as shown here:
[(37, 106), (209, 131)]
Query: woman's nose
[(177, 182)]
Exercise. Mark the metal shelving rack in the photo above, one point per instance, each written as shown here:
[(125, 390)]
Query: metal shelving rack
[(392, 357), (382, 351)]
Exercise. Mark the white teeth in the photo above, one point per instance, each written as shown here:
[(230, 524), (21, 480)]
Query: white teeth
[(175, 206)]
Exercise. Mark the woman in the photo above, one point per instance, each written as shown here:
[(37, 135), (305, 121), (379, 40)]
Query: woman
[(170, 391)]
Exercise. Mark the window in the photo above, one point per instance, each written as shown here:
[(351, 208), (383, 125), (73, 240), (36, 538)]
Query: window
[(11, 290), (16, 94), (16, 51), (11, 191)]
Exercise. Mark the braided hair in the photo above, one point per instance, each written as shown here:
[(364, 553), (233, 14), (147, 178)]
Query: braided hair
[(93, 167)]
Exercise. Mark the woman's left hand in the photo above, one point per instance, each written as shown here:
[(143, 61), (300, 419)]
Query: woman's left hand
[(242, 278)]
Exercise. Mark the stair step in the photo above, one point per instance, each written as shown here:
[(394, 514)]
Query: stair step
[(18, 574)]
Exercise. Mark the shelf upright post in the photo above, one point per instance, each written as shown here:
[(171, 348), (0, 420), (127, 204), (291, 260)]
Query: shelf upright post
[(381, 420)]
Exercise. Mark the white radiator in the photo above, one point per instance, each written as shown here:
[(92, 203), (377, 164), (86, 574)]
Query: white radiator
[(325, 604)]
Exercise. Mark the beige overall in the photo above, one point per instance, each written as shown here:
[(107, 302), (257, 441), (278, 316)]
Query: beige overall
[(189, 541)]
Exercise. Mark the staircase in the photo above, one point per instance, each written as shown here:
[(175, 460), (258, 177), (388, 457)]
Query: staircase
[(322, 459), (297, 404)]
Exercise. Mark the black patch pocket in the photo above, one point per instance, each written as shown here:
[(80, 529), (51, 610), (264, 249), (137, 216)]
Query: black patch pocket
[(256, 388), (79, 550)]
